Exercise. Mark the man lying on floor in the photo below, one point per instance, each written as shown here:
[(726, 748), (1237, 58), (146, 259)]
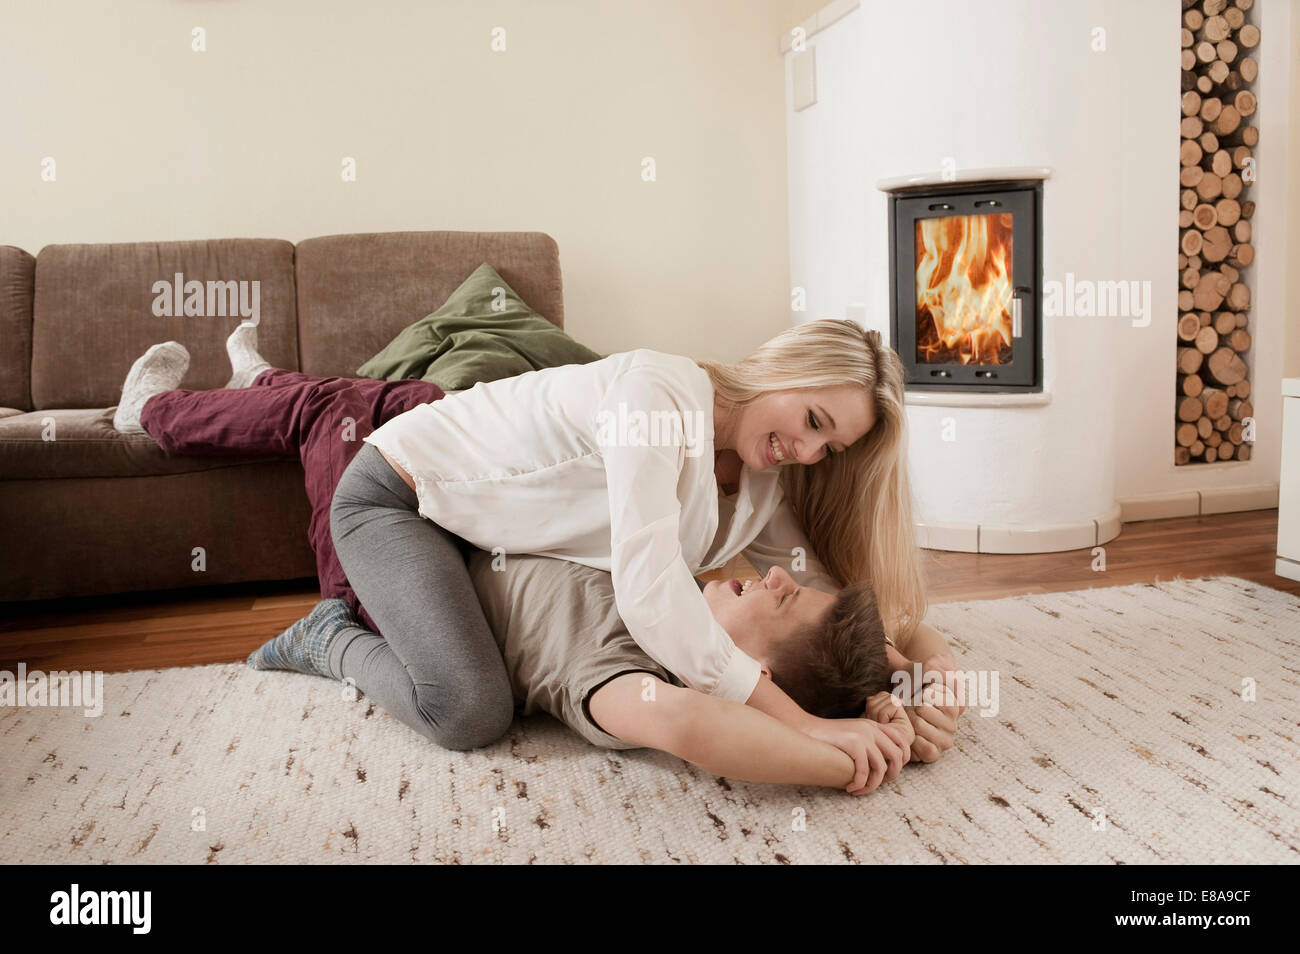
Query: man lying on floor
[(569, 654)]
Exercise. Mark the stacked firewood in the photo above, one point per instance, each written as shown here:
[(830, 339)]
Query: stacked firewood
[(1218, 136)]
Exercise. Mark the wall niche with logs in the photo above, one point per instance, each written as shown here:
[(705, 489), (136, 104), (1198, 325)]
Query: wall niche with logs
[(1219, 135)]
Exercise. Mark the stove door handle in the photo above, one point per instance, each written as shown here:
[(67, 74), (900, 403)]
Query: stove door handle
[(1017, 327)]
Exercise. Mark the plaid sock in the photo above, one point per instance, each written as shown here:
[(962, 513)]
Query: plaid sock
[(304, 646)]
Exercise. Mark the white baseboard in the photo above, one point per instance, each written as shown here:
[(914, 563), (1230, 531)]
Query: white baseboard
[(988, 538), (998, 538), (1233, 499), (1194, 503)]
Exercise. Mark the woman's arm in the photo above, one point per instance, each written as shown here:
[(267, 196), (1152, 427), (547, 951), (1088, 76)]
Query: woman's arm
[(654, 588), (925, 642)]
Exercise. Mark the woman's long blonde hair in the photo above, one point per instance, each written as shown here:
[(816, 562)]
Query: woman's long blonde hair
[(855, 507)]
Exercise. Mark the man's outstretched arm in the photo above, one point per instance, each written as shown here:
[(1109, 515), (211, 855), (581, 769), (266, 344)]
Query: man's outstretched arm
[(722, 737)]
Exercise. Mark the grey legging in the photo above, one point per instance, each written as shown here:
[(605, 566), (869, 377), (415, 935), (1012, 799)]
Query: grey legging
[(437, 666)]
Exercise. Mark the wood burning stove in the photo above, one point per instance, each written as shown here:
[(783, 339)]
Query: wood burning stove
[(966, 279)]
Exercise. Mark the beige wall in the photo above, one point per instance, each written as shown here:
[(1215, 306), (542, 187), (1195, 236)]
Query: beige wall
[(155, 142), (800, 10)]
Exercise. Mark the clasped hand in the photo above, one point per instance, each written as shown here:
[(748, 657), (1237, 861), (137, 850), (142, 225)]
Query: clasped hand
[(889, 735), (879, 744)]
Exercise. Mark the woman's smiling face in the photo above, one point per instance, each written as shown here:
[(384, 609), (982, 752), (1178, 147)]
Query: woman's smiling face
[(800, 426)]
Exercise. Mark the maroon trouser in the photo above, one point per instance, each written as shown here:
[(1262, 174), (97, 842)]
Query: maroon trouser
[(322, 420)]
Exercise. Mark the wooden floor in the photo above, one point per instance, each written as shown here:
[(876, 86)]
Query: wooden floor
[(223, 624)]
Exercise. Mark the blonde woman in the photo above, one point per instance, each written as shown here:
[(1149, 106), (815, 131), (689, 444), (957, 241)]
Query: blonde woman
[(793, 456)]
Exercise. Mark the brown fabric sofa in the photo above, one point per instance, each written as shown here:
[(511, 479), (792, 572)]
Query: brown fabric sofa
[(85, 510)]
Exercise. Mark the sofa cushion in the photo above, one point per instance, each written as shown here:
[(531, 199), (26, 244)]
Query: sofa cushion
[(483, 332), (82, 443), (17, 286), (95, 312), (356, 292)]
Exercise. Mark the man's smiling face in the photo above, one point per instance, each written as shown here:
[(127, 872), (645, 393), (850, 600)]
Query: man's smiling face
[(766, 614)]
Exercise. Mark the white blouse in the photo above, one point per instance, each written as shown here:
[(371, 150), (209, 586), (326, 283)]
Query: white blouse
[(553, 463)]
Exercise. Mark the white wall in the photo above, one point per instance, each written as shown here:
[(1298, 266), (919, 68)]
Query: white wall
[(1015, 83), (1291, 362), (155, 142)]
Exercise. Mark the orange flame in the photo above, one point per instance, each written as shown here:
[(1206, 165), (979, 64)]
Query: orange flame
[(963, 289)]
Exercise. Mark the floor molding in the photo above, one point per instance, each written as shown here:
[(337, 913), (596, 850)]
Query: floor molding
[(1002, 538), (959, 537), (1196, 503)]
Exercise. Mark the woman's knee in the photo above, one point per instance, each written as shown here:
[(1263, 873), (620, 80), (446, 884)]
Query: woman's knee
[(471, 720)]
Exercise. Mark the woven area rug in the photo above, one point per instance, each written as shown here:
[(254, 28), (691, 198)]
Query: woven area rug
[(1121, 736)]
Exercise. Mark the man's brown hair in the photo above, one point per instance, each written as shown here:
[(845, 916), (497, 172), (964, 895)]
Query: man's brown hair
[(830, 667)]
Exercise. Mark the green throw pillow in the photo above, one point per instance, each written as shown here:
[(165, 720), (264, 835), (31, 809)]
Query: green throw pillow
[(467, 341)]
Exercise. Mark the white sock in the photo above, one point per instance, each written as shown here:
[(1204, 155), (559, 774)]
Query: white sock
[(159, 369), (246, 363)]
